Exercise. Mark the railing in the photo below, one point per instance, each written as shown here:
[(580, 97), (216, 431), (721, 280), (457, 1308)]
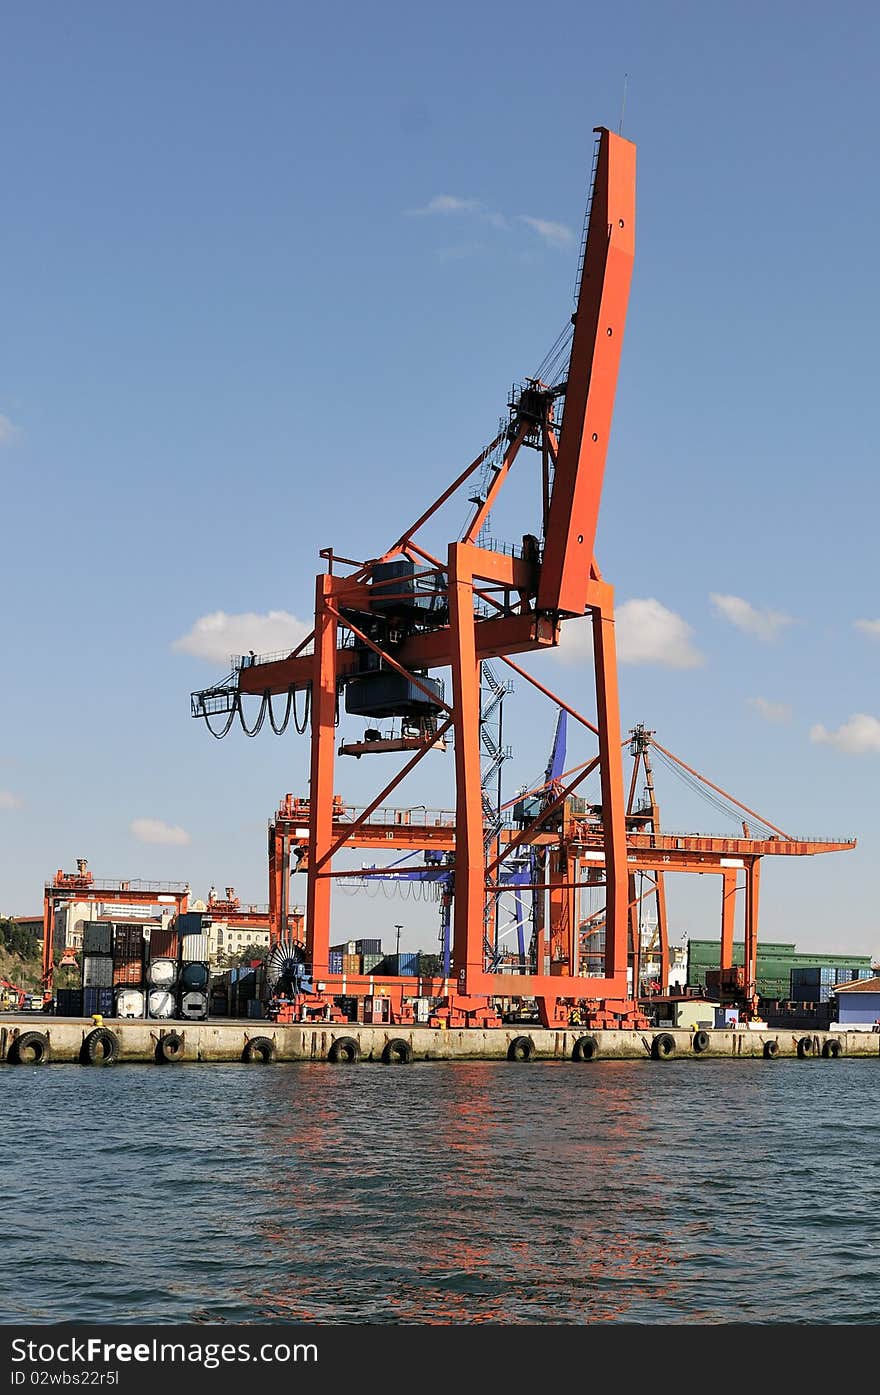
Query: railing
[(417, 816), (114, 884), (728, 837)]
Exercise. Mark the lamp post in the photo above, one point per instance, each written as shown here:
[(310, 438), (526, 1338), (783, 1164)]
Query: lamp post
[(398, 928)]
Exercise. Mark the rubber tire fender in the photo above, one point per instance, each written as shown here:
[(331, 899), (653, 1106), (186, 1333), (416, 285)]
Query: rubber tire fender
[(260, 1050), (344, 1051), (397, 1052), (805, 1047), (585, 1049), (37, 1042), (771, 1050), (700, 1042), (100, 1048), (663, 1046), (832, 1048), (169, 1049), (521, 1049)]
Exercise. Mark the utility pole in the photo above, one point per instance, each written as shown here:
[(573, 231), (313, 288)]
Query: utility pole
[(398, 928)]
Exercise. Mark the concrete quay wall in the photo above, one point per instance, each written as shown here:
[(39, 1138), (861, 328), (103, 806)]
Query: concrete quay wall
[(227, 1040)]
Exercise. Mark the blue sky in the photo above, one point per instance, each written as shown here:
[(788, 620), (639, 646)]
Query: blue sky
[(267, 275)]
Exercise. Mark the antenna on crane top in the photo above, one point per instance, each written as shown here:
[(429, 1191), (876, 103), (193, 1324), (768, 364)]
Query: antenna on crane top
[(623, 105)]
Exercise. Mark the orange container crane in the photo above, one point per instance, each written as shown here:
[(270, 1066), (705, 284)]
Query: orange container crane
[(385, 625)]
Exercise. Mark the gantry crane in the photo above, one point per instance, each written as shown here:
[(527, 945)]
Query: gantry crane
[(384, 626)]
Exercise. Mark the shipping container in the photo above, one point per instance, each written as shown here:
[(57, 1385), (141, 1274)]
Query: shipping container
[(128, 973), (403, 965), (130, 1002), (69, 1002), (162, 973), (97, 971), (371, 961), (194, 947), (164, 943), (98, 1000), (335, 961), (368, 947), (351, 964), (255, 1008), (194, 977), (128, 941), (194, 1006), (189, 923), (161, 1003), (97, 937)]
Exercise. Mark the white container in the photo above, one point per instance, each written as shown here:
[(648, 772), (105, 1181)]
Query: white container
[(162, 973), (129, 1002), (160, 1003), (97, 971), (194, 947), (194, 1005)]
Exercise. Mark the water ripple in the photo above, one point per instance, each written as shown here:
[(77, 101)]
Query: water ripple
[(476, 1192)]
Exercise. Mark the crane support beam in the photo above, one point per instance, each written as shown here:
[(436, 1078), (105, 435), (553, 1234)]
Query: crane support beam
[(505, 634)]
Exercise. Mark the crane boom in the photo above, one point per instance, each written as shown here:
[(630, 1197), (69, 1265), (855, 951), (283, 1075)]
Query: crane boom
[(599, 321)]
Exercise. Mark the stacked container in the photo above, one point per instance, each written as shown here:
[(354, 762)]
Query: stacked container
[(128, 969), (97, 968), (812, 985), (162, 973), (194, 975)]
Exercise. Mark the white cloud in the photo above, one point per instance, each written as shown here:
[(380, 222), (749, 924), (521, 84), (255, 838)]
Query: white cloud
[(446, 203), (8, 431), (155, 831), (647, 633), (868, 627), (8, 800), (575, 640), (771, 711), (858, 737), (554, 234), (217, 636), (765, 624)]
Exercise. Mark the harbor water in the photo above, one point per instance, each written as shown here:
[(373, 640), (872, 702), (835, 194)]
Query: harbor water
[(472, 1192)]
